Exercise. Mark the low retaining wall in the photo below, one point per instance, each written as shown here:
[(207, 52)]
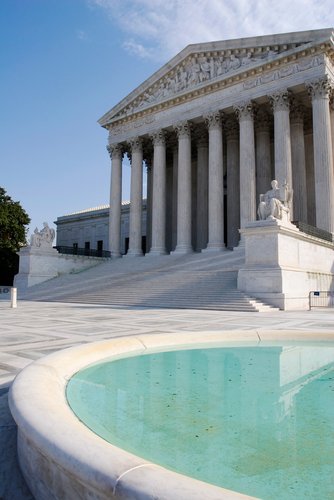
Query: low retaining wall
[(42, 264)]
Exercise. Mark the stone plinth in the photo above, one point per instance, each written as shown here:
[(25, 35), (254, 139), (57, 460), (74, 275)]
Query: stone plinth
[(282, 264), (38, 264)]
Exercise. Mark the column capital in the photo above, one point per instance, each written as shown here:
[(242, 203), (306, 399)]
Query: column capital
[(244, 110), (158, 138), (136, 144), (280, 100), (320, 88), (231, 129), (331, 101), (202, 141), (262, 121), (183, 129), (213, 120), (115, 151), (297, 112)]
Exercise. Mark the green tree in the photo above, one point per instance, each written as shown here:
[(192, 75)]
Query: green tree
[(13, 222)]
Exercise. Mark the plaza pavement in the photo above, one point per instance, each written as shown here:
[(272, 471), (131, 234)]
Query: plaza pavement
[(36, 329)]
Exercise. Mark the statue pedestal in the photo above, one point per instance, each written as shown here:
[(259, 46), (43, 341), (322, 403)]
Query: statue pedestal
[(37, 264), (282, 264)]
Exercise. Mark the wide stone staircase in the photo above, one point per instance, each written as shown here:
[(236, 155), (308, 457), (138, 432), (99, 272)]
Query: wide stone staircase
[(197, 281)]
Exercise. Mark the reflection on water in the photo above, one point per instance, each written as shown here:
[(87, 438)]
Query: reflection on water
[(259, 420)]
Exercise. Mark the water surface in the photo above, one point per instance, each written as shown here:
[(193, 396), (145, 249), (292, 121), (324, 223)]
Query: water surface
[(259, 420)]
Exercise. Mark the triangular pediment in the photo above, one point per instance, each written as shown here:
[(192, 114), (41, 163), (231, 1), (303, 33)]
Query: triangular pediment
[(200, 65)]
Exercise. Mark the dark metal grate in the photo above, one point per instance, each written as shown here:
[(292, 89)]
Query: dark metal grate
[(321, 299), (314, 231), (88, 252)]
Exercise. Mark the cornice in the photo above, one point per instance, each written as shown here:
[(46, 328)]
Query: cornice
[(241, 64)]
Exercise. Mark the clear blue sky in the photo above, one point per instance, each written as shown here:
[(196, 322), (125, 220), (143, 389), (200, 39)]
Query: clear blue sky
[(64, 63)]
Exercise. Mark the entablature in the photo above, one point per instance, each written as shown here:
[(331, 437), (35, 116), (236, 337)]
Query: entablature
[(197, 71)]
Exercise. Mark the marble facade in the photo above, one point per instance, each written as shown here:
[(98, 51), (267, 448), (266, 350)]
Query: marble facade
[(213, 127), (90, 228)]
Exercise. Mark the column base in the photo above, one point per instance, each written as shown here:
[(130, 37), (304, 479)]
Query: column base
[(182, 249), (156, 252), (134, 253), (115, 255), (214, 248)]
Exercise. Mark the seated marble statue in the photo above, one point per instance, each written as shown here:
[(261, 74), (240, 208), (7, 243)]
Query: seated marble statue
[(43, 238), (274, 204)]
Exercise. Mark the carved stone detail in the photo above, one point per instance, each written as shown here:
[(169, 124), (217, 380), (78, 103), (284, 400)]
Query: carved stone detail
[(280, 100), (202, 141), (263, 121), (331, 101), (136, 144), (244, 110), (199, 69), (291, 69), (115, 151), (183, 129), (213, 120), (231, 129), (297, 111), (320, 88), (159, 137)]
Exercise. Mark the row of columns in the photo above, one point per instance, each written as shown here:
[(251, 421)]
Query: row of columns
[(242, 158)]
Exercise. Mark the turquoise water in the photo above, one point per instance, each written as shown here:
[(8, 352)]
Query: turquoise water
[(258, 420)]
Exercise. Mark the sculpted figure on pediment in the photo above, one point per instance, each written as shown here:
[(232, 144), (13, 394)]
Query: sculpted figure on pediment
[(195, 70), (199, 70), (206, 72)]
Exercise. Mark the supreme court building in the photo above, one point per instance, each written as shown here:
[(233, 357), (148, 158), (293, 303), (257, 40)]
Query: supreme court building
[(213, 127)]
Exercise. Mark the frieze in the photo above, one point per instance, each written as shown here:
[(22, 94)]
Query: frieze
[(126, 127), (307, 63)]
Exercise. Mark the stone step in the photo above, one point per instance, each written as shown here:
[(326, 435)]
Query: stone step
[(196, 281)]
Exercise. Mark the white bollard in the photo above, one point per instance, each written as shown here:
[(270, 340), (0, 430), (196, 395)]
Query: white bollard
[(13, 297)]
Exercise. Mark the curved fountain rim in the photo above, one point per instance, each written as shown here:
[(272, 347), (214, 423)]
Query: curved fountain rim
[(39, 406)]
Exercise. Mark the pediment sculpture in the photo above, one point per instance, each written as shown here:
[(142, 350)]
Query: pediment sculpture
[(193, 72)]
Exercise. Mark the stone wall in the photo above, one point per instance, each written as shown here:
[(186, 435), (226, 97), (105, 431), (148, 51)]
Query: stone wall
[(282, 264)]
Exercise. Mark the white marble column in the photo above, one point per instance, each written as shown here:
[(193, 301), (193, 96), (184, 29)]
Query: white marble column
[(216, 183), (264, 174), (323, 153), (281, 108), (298, 162), (159, 194), (309, 166), (136, 198), (184, 189), (202, 192), (174, 195), (233, 182), (245, 114), (149, 166), (331, 107), (116, 155)]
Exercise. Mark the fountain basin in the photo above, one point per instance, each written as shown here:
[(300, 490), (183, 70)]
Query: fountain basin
[(62, 459)]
